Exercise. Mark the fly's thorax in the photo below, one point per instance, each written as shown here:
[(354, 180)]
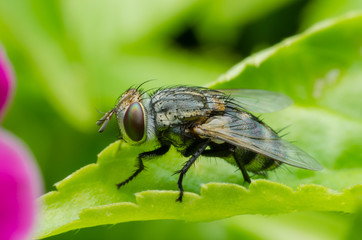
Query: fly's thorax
[(133, 118), (177, 106)]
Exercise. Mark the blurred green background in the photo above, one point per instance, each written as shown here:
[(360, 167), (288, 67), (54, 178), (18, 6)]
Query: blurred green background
[(73, 58)]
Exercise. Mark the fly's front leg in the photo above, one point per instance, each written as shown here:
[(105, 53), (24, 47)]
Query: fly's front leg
[(188, 164), (140, 167)]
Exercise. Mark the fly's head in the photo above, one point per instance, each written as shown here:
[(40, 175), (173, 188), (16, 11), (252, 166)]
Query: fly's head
[(132, 118)]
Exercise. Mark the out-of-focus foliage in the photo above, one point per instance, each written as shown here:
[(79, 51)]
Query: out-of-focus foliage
[(321, 9), (72, 57)]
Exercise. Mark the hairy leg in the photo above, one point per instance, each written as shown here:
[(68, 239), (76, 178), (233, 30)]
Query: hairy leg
[(243, 157), (157, 152), (201, 147)]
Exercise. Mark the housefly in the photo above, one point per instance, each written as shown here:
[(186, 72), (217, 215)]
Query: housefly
[(199, 121)]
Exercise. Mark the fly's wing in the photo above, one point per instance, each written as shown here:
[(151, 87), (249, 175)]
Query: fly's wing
[(241, 130), (259, 101)]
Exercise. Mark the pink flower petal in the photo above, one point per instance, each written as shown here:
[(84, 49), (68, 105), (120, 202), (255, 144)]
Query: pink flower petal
[(20, 185), (6, 82)]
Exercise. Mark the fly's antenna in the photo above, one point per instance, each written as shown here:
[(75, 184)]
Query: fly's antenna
[(105, 119)]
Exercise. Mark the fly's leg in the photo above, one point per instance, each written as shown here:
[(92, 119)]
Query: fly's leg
[(225, 151), (187, 165), (244, 172), (138, 171), (157, 152), (242, 158)]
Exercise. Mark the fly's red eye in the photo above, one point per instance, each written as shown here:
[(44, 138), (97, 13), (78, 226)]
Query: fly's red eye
[(134, 122)]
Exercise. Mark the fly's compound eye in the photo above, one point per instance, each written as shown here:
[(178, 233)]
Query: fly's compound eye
[(134, 122)]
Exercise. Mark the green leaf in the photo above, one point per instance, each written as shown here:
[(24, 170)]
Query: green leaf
[(222, 20), (355, 229), (89, 196), (303, 66), (322, 9), (319, 69)]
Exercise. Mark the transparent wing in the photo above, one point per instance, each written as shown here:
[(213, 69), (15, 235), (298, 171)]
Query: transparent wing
[(259, 101), (240, 130)]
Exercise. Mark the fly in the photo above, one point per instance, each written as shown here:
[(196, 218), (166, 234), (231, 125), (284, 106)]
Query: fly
[(204, 122)]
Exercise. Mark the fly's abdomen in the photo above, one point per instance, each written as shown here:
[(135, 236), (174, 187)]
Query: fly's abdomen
[(254, 162), (261, 163)]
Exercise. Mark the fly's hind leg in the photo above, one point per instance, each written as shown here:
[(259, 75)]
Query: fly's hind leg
[(242, 158), (243, 171), (140, 167), (201, 147)]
